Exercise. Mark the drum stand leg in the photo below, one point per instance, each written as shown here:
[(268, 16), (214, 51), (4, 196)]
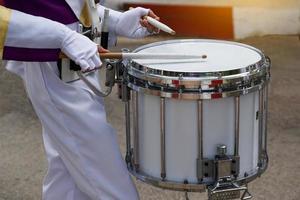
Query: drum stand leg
[(135, 117), (128, 139), (186, 194)]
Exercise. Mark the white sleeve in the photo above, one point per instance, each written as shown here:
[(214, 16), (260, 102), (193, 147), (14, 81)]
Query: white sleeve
[(30, 31)]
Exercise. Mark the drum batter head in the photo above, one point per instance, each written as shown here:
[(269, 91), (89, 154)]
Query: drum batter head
[(221, 56)]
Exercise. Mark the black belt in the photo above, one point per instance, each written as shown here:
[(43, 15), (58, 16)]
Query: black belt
[(73, 66)]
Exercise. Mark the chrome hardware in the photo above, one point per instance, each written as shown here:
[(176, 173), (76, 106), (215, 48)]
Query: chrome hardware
[(128, 156), (163, 137), (266, 118), (222, 150), (224, 169), (135, 115), (237, 126), (194, 85), (125, 94), (223, 166), (228, 190), (110, 74), (260, 127), (200, 140), (96, 91)]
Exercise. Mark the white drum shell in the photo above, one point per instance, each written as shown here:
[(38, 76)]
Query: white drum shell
[(182, 85), (181, 134)]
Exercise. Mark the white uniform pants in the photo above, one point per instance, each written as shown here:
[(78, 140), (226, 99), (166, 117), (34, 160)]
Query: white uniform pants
[(82, 150)]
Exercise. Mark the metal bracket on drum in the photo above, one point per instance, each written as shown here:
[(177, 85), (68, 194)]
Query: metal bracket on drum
[(228, 190), (223, 171), (218, 169)]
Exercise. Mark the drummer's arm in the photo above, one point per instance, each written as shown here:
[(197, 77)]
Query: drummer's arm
[(21, 32), (129, 24), (24, 37)]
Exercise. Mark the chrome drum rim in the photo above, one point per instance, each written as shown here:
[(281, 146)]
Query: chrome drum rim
[(192, 86)]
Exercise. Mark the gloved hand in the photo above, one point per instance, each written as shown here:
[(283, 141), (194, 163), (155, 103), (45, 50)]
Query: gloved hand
[(81, 50), (130, 23)]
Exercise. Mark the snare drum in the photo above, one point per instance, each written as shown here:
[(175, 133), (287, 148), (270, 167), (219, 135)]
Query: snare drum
[(199, 123)]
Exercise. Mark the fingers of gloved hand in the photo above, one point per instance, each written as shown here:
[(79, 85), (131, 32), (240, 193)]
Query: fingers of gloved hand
[(96, 60), (141, 11), (91, 64), (129, 22), (80, 49), (153, 15), (150, 28), (141, 32), (83, 64)]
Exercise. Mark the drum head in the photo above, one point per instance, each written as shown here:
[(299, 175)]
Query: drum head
[(221, 56)]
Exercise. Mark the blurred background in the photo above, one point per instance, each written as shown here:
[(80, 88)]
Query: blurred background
[(270, 25)]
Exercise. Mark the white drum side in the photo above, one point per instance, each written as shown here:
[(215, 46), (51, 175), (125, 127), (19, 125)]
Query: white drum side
[(181, 134)]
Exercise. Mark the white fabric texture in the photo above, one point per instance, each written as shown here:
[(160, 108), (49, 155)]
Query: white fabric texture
[(83, 146), (82, 150), (127, 24), (45, 34)]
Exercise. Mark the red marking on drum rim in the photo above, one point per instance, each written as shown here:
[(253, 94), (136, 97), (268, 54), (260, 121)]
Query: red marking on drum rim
[(216, 96), (175, 82), (175, 95), (215, 83)]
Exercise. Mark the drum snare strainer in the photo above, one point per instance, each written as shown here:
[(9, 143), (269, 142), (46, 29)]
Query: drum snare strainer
[(199, 124)]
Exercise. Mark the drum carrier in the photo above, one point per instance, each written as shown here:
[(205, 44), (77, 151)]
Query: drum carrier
[(219, 175)]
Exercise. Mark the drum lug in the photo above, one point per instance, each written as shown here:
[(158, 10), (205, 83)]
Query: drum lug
[(223, 166), (218, 168)]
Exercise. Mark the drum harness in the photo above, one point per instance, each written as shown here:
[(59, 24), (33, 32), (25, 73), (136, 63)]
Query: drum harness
[(69, 71)]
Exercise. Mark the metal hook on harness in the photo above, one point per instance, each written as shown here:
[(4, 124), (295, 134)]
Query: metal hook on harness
[(113, 68), (92, 87)]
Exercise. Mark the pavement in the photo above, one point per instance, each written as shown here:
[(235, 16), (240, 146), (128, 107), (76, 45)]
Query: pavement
[(23, 163)]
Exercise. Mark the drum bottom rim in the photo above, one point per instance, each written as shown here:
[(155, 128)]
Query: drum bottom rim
[(192, 187)]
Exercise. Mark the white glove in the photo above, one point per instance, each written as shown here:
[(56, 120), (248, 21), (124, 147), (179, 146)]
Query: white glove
[(81, 50), (129, 25)]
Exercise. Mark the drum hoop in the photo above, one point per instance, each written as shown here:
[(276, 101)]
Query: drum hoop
[(193, 187), (163, 73), (201, 82), (198, 95)]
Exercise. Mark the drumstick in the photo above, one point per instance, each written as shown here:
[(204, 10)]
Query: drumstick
[(120, 55), (151, 56), (158, 24)]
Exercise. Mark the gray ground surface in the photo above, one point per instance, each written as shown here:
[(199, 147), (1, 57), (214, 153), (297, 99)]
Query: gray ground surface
[(23, 164)]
